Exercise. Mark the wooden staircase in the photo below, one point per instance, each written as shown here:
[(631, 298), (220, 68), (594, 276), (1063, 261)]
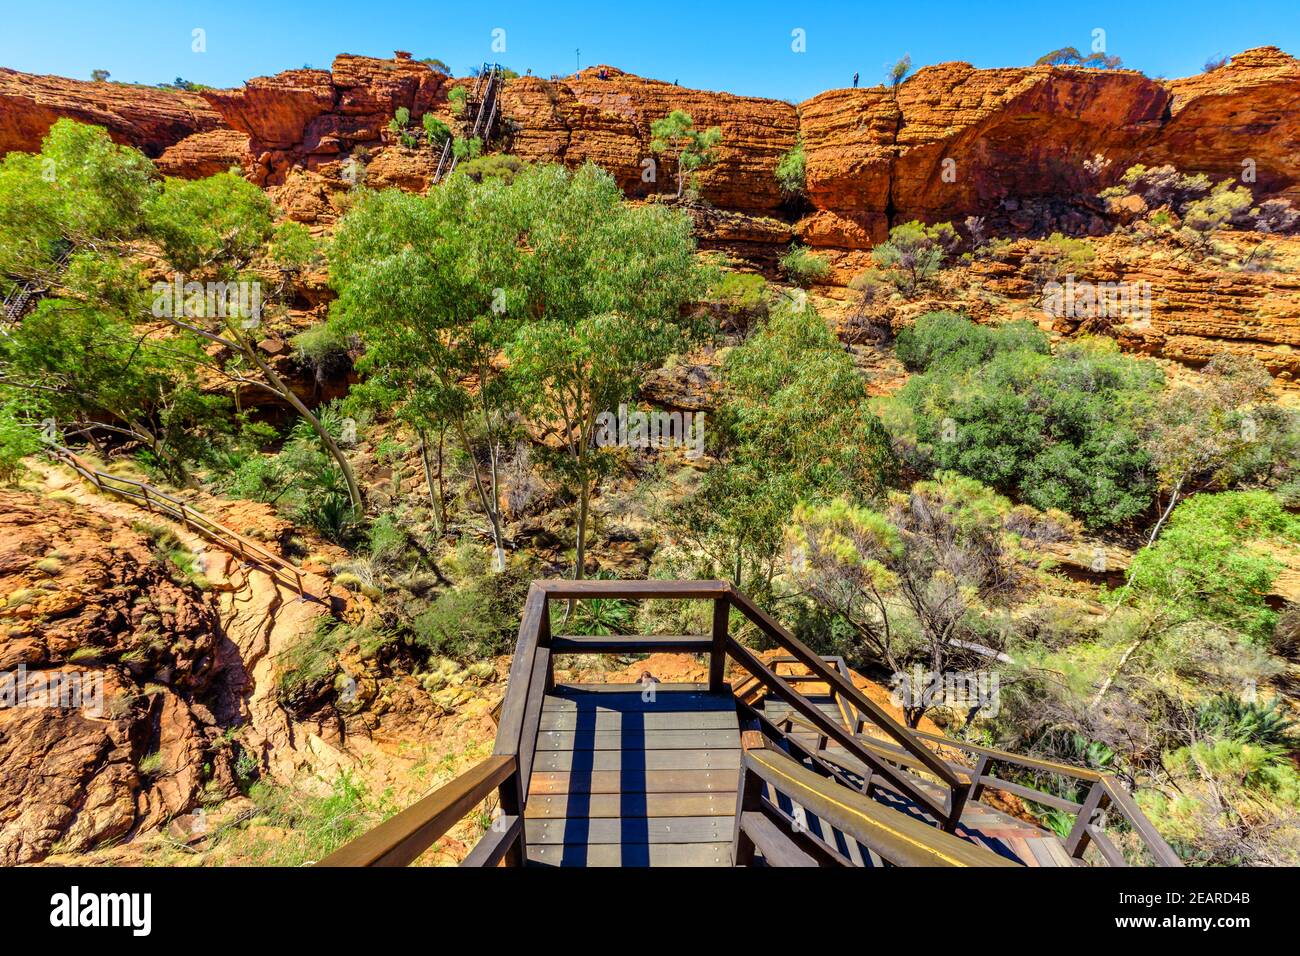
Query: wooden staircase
[(788, 764)]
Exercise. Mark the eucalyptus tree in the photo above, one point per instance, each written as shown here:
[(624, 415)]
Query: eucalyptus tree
[(427, 283), (605, 290)]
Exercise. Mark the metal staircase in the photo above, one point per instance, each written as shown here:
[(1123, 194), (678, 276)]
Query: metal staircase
[(483, 100)]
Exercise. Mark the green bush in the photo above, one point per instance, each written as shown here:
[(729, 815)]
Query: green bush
[(914, 253), (1058, 432), (500, 166), (791, 170), (804, 266), (1210, 562), (951, 342)]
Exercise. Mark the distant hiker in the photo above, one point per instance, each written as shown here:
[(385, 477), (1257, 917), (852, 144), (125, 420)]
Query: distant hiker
[(855, 81), (603, 74)]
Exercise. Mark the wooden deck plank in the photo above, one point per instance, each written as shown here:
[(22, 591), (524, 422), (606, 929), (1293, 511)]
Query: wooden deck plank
[(660, 702), (629, 831), (635, 761), (637, 855), (633, 722), (720, 803), (649, 781), (715, 739)]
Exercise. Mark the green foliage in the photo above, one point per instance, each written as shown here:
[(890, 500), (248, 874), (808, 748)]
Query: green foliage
[(911, 577), (950, 342), (435, 130), (1212, 562), (478, 619), (457, 98), (791, 170), (746, 289), (675, 135), (795, 425), (293, 248), (465, 149), (500, 166), (80, 188), (1060, 432), (804, 266), (320, 824), (401, 119), (90, 363), (18, 438), (914, 253), (1228, 717), (302, 480), (220, 219), (898, 72)]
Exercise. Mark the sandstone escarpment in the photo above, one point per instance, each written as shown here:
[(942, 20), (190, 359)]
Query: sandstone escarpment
[(587, 118), (310, 117), (149, 118)]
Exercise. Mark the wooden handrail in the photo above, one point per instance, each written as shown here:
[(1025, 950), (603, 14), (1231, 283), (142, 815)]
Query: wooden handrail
[(157, 500), (401, 839), (1108, 790), (896, 837), (958, 789)]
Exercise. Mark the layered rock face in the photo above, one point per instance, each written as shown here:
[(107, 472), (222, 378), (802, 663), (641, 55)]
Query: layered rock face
[(950, 141), (310, 117), (587, 118), (87, 609), (149, 118)]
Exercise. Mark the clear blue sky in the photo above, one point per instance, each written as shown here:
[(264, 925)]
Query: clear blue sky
[(743, 47)]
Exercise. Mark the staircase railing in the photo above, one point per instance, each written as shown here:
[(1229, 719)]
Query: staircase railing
[(890, 764), (487, 88), (246, 549), (785, 840)]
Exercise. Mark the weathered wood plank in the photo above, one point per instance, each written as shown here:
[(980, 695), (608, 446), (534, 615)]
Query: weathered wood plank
[(630, 723), (649, 781), (632, 644), (720, 803), (719, 739), (559, 588), (660, 702), (634, 761), (776, 847), (637, 855), (629, 831)]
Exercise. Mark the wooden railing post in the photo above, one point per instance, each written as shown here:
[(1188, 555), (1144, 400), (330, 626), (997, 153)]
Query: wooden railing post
[(1078, 839), (718, 657)]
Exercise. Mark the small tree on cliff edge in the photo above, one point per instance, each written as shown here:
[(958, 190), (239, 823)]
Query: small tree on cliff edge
[(675, 135)]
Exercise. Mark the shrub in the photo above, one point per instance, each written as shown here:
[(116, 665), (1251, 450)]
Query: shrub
[(500, 166), (791, 170), (1210, 564), (914, 253), (950, 341), (1059, 432), (804, 266), (435, 129)]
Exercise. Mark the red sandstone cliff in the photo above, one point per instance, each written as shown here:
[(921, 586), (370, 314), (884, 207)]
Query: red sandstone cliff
[(875, 156)]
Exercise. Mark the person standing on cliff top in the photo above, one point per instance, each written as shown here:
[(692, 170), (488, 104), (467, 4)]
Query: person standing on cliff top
[(855, 81)]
